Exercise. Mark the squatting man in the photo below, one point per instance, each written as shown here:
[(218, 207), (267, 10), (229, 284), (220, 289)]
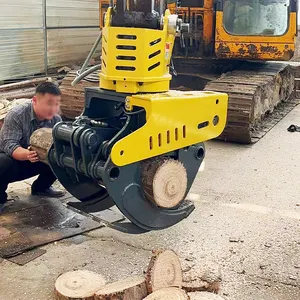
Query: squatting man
[(17, 160)]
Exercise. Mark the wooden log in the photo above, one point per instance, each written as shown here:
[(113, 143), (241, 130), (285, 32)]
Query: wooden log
[(41, 141), (132, 288), (168, 294), (24, 83), (201, 276), (204, 296), (164, 181), (19, 93), (164, 271), (72, 99), (78, 285)]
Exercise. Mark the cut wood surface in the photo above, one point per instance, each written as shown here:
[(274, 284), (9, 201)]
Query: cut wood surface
[(168, 294), (78, 285), (201, 276), (164, 271), (132, 288), (41, 141), (164, 181), (204, 296)]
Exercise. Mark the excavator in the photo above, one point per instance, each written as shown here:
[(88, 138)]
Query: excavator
[(237, 47), (136, 141), (229, 48)]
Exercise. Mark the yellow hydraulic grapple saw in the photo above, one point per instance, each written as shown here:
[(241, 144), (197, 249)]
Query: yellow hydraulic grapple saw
[(136, 141)]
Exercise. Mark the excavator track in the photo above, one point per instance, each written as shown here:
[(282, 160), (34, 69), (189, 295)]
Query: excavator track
[(260, 95)]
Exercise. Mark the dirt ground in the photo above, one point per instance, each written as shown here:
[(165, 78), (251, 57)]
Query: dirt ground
[(247, 219)]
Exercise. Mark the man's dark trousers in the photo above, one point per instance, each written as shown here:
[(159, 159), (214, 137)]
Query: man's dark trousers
[(12, 170)]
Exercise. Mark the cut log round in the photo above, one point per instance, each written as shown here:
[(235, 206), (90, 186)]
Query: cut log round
[(201, 276), (164, 181), (163, 271), (204, 296), (41, 141), (78, 285), (168, 294), (133, 288)]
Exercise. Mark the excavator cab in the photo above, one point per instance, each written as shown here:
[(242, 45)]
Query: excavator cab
[(256, 29), (238, 29)]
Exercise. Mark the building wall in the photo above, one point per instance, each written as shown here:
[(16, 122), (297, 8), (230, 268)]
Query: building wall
[(39, 34)]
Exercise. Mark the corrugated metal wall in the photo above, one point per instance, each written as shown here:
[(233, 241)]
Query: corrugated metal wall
[(66, 28), (73, 26), (21, 38)]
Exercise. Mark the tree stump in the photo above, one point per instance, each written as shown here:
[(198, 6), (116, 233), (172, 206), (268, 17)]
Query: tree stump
[(201, 276), (41, 141), (204, 296), (164, 181), (163, 271), (78, 285), (168, 294), (133, 288)]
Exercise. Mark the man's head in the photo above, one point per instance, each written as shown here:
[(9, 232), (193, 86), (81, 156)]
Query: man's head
[(46, 101)]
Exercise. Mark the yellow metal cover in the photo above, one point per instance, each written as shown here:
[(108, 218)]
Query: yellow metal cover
[(174, 120)]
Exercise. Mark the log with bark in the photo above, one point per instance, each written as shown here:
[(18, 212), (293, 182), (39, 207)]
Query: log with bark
[(25, 83), (78, 285), (171, 293), (132, 288), (204, 296), (163, 271), (164, 181), (41, 141)]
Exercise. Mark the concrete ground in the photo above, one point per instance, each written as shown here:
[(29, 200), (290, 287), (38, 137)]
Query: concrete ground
[(247, 219)]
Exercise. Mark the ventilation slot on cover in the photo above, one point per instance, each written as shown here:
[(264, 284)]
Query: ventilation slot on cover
[(104, 63), (154, 66), (203, 125), (151, 143), (168, 136), (184, 131), (154, 54), (125, 68), (126, 47), (126, 37), (103, 49), (155, 42), (122, 57), (159, 139)]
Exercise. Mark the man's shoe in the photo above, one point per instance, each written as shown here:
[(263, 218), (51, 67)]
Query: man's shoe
[(50, 192)]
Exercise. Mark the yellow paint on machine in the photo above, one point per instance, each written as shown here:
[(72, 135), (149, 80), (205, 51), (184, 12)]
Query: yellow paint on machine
[(174, 120), (136, 60)]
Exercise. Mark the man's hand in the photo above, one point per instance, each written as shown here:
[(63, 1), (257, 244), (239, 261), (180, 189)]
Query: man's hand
[(32, 156), (25, 154)]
